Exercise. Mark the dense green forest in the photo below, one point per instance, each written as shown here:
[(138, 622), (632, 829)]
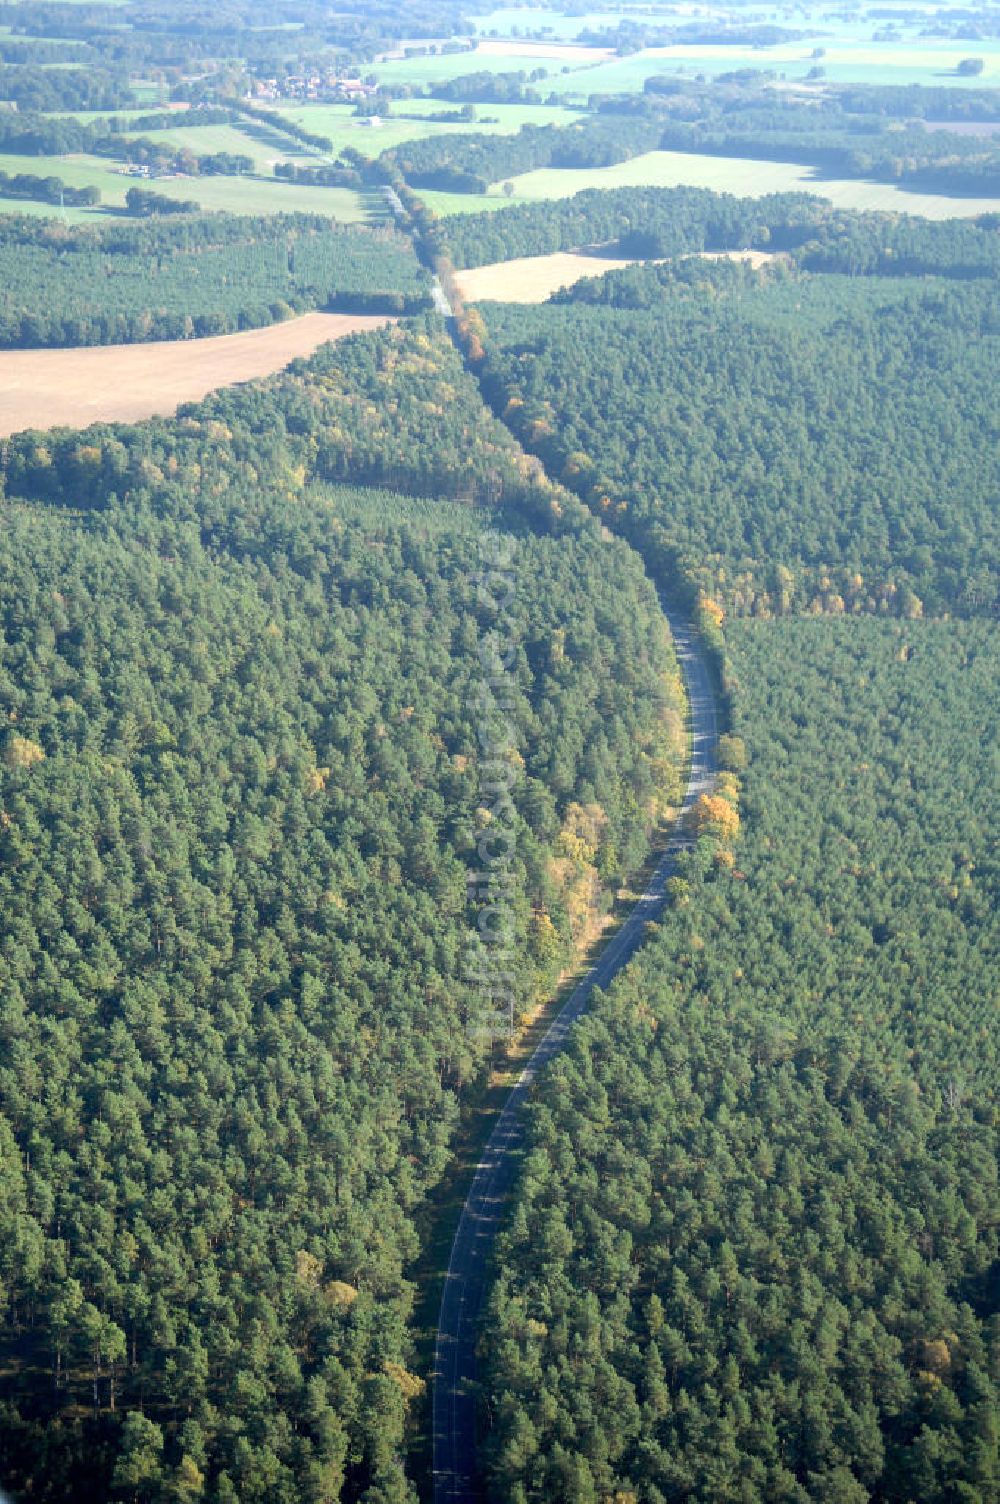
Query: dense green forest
[(213, 274), (791, 441), (249, 670), (653, 222), (635, 221), (753, 1250), (470, 162), (240, 791)]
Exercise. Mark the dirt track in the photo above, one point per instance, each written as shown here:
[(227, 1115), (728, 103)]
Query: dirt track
[(122, 383)]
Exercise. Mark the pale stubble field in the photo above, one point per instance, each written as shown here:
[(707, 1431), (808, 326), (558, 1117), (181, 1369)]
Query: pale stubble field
[(125, 383)]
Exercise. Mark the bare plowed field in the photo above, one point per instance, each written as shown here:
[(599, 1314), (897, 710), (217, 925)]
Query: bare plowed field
[(122, 383)]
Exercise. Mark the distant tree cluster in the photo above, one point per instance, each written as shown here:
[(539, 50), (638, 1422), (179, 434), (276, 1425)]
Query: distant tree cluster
[(47, 190), (146, 201), (33, 135), (35, 87), (337, 175)]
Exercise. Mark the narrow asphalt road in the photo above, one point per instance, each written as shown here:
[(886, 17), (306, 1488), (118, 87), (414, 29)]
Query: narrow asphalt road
[(454, 1398)]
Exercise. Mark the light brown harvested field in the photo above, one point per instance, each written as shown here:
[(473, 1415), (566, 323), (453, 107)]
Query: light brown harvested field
[(532, 279), (123, 383)]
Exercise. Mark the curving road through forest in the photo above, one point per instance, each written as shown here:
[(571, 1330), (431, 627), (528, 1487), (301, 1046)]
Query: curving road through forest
[(454, 1398)]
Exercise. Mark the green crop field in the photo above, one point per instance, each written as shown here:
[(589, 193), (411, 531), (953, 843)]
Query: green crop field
[(246, 195), (668, 169), (37, 210), (254, 195), (265, 148), (427, 70), (76, 171), (339, 122), (848, 63)]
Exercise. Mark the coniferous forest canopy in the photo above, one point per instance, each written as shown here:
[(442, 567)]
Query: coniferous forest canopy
[(753, 1252), (239, 791), (246, 1055), (796, 441), (193, 277)]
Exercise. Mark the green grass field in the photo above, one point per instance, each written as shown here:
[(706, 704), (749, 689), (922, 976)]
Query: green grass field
[(472, 203), (78, 171), (89, 117), (30, 41), (37, 210), (426, 70), (264, 147), (253, 195), (668, 169), (505, 118), (247, 195), (339, 122), (868, 62)]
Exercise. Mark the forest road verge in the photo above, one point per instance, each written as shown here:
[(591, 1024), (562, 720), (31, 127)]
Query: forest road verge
[(456, 1480)]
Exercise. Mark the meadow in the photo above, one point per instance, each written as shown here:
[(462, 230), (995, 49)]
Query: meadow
[(419, 71), (741, 175), (342, 126), (871, 63), (205, 140), (511, 20), (256, 195), (851, 55), (244, 195)]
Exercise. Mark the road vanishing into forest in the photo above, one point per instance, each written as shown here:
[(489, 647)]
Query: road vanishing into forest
[(456, 1479)]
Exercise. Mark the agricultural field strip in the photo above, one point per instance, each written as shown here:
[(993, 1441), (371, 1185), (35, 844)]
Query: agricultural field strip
[(532, 279), (746, 176), (125, 383)]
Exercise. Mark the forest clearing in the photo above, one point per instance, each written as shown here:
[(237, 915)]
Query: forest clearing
[(123, 383)]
